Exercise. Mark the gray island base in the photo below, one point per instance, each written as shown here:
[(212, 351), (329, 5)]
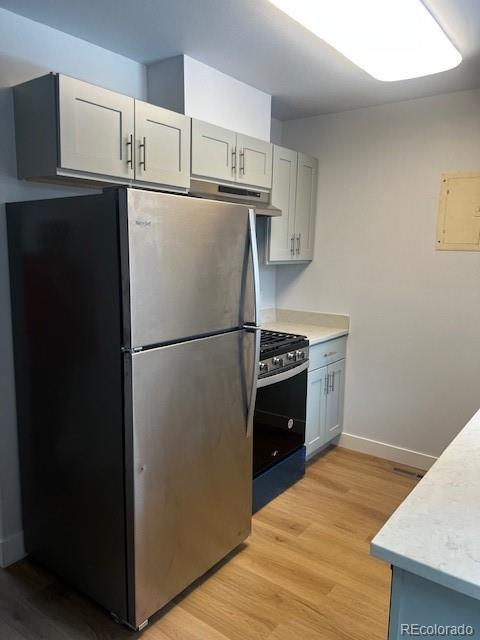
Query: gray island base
[(420, 608)]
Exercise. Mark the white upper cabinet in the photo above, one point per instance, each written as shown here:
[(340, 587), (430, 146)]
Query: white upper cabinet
[(305, 208), (294, 191), (222, 155), (96, 129), (281, 235), (254, 161), (213, 151), (162, 145)]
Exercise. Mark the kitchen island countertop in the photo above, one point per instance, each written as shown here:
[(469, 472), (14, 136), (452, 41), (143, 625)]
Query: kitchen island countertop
[(435, 532)]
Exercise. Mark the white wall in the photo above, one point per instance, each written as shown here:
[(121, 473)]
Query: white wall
[(29, 49), (215, 97), (276, 131), (413, 368)]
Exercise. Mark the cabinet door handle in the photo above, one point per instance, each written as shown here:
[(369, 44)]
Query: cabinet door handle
[(234, 159), (242, 162), (327, 383), (333, 383), (143, 163), (292, 245), (130, 151), (298, 243)]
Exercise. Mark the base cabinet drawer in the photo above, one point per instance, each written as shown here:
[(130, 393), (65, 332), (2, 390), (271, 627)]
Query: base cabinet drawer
[(327, 352)]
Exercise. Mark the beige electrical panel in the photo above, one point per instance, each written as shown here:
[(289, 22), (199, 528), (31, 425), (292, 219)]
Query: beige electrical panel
[(459, 214)]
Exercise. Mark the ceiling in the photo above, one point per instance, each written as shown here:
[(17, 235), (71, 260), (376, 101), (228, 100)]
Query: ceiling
[(253, 41)]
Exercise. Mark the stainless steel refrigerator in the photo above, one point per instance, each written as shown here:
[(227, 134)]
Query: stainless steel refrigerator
[(136, 343)]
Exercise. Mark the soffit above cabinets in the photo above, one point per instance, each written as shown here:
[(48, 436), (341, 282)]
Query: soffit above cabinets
[(459, 213)]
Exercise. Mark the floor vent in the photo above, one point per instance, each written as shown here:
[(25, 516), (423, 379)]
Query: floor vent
[(410, 474)]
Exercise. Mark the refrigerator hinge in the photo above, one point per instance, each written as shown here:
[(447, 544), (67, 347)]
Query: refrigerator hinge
[(130, 350)]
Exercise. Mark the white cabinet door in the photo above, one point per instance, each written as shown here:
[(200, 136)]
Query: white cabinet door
[(254, 161), (281, 240), (213, 151), (306, 205), (335, 397), (96, 129), (316, 409), (162, 145)]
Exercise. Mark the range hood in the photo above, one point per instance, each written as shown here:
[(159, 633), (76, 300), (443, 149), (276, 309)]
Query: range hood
[(256, 198)]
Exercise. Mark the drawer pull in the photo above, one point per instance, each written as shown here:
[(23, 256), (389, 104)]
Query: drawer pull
[(329, 354)]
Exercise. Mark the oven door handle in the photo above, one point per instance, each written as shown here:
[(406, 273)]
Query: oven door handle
[(284, 375), (253, 380)]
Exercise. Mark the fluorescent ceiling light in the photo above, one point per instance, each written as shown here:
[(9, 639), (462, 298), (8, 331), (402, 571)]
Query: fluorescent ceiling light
[(389, 39)]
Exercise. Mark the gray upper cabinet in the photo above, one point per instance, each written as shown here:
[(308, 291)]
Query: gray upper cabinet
[(222, 155), (162, 145), (96, 129), (254, 161), (69, 130), (294, 190), (213, 151), (282, 229), (305, 206)]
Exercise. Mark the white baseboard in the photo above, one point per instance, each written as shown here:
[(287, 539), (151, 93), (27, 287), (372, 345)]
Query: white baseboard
[(11, 549), (386, 451)]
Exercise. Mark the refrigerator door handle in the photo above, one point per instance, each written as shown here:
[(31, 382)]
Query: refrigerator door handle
[(255, 266), (253, 379)]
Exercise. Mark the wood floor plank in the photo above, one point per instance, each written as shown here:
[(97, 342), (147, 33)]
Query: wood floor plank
[(305, 572)]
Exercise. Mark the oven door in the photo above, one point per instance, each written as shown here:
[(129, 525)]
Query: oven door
[(279, 422)]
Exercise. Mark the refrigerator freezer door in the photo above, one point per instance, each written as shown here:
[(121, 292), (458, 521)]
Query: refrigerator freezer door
[(192, 472), (191, 268)]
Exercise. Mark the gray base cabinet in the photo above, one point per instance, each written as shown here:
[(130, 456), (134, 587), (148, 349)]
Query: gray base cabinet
[(325, 394), (420, 607), (291, 236), (72, 131)]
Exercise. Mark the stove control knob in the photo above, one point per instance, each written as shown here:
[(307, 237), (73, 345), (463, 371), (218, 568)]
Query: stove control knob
[(291, 356), (300, 355), (277, 361), (263, 366)]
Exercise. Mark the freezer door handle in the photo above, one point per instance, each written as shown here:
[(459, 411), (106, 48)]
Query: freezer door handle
[(253, 379), (255, 267)]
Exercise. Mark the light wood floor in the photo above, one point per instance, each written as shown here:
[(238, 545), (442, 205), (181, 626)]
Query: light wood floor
[(304, 573)]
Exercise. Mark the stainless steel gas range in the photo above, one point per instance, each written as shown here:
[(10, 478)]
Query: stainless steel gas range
[(280, 414)]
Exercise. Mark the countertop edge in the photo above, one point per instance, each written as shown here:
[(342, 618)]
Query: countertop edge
[(338, 334), (331, 333), (425, 571)]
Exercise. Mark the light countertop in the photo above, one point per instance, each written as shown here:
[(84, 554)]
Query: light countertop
[(318, 327), (435, 532), (314, 333)]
